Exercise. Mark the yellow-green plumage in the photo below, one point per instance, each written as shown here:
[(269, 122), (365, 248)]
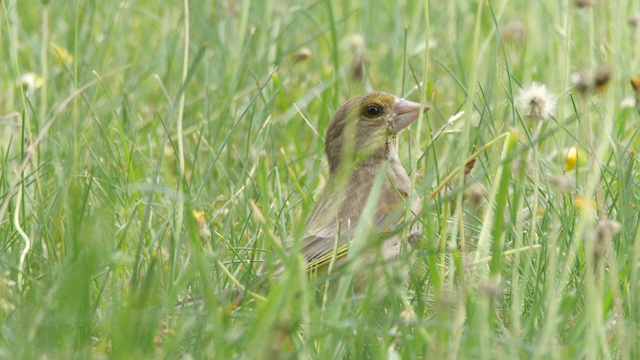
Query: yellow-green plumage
[(360, 142)]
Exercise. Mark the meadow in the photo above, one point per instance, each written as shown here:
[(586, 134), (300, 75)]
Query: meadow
[(156, 152)]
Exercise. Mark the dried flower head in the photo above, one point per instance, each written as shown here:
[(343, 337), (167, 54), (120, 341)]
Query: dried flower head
[(596, 82), (601, 78), (301, 55), (634, 20), (583, 3), (607, 229), (635, 84), (358, 67), (491, 287), (537, 102), (514, 33), (581, 83), (468, 167), (359, 62), (476, 195), (563, 184)]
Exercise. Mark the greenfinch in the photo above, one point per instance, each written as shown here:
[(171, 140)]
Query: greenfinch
[(360, 143)]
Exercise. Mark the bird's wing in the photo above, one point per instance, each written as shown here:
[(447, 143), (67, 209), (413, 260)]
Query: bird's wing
[(320, 247), (319, 252), (326, 233), (322, 242)]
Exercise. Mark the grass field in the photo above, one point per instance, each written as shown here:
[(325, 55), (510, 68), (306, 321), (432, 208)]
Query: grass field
[(150, 154)]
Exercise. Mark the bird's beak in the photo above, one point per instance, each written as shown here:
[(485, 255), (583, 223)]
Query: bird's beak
[(405, 113)]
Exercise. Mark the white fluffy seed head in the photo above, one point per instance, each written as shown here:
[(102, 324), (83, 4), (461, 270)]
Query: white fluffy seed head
[(536, 101)]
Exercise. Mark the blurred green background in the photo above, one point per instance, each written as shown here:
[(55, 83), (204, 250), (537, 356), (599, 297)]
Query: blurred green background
[(129, 182)]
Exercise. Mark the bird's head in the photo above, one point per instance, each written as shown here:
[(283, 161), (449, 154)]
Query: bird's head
[(365, 126)]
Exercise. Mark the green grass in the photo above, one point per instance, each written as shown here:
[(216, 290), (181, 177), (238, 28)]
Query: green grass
[(103, 166)]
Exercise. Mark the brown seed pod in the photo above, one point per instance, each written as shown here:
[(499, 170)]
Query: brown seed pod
[(601, 78), (635, 83)]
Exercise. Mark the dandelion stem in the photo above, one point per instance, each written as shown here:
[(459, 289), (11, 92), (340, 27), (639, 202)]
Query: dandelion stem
[(23, 235)]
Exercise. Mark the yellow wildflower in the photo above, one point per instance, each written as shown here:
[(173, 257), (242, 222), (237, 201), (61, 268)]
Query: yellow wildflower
[(63, 57)]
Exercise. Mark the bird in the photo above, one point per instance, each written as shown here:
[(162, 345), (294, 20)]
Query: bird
[(361, 142)]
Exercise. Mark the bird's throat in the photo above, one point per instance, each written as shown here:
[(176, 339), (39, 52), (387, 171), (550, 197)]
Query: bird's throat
[(391, 149)]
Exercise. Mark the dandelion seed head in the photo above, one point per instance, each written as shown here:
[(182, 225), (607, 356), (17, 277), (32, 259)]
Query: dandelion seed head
[(537, 102), (30, 82), (628, 102)]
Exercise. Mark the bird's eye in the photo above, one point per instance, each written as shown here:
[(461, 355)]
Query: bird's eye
[(373, 110)]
